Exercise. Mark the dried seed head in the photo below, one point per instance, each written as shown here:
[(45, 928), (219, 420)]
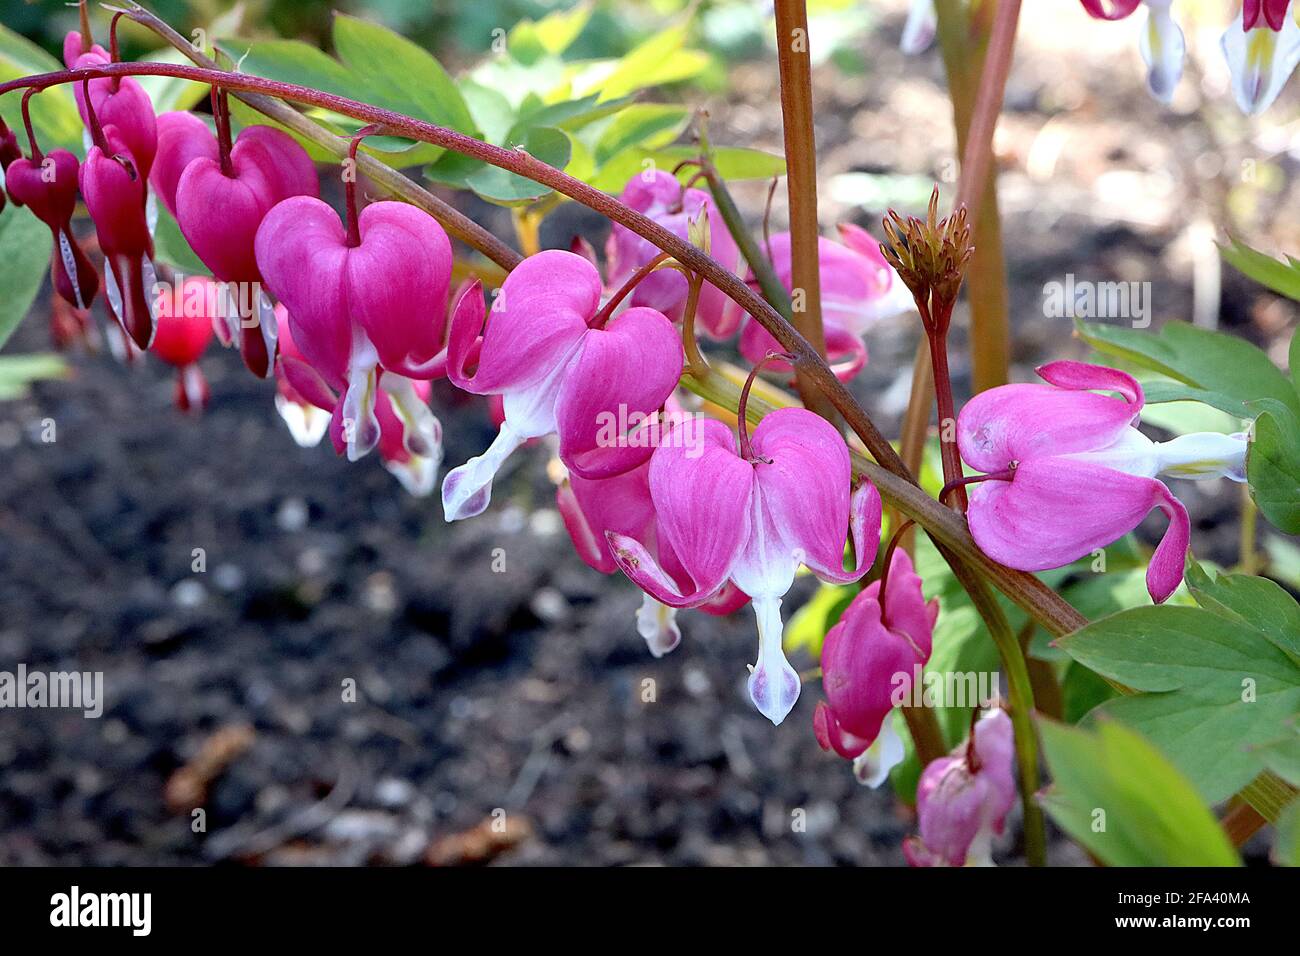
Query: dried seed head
[(930, 257)]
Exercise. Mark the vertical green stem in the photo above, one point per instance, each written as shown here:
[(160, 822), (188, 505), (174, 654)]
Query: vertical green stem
[(1248, 559), (1020, 696)]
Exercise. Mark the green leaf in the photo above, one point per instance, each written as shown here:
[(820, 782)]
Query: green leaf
[(551, 35), (648, 125), (492, 113), (1259, 602), (25, 245), (1213, 687), (1081, 691), (732, 162), (1273, 468), (1229, 367), (19, 371), (572, 115), (399, 74), (1119, 797), (54, 112), (292, 61), (496, 185), (808, 626), (660, 59), (1281, 277)]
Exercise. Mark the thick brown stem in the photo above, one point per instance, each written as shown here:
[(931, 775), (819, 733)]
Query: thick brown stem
[(952, 468), (801, 185), (963, 57)]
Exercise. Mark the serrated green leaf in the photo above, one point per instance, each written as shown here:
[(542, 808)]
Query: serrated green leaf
[(1281, 277), (398, 74), (660, 59), (1273, 468), (1123, 800), (496, 185), (1211, 687), (25, 245), (551, 35), (647, 125), (1259, 602)]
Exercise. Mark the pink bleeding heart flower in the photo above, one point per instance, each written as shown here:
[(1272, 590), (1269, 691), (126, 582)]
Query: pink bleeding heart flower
[(47, 185), (307, 421), (182, 138), (752, 515), (659, 196), (870, 660), (220, 204), (858, 289), (595, 387), (1071, 473), (77, 42), (1262, 49), (120, 101), (74, 48), (622, 505), (369, 297), (185, 315), (410, 435), (1273, 13), (962, 800), (1160, 40), (114, 190)]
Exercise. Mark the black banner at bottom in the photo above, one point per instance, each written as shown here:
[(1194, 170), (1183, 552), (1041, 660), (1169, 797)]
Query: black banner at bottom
[(309, 905)]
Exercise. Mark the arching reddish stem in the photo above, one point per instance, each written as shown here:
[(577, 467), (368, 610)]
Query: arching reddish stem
[(607, 310), (37, 155), (742, 406), (350, 184)]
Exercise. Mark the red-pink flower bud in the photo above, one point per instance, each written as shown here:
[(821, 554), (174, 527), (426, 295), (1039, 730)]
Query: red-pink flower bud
[(870, 658), (122, 102), (114, 191), (659, 196), (49, 188), (185, 318), (962, 799)]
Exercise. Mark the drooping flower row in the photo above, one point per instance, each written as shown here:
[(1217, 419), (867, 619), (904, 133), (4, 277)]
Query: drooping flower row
[(1262, 46)]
